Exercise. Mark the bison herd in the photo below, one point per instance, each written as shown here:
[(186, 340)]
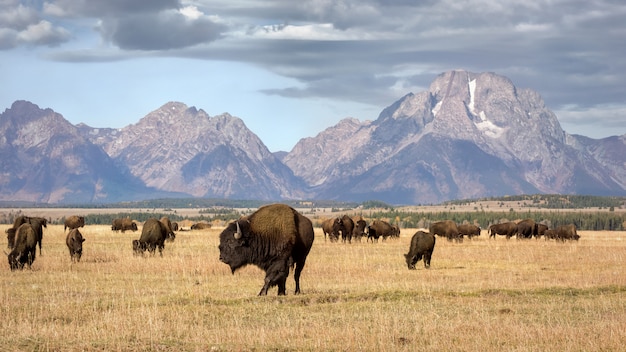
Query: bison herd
[(274, 238)]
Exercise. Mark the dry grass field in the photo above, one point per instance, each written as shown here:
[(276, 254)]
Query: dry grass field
[(480, 295)]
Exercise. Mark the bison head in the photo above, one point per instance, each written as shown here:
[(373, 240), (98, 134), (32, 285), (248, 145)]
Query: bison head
[(411, 261), (235, 245), (138, 247), (15, 260)]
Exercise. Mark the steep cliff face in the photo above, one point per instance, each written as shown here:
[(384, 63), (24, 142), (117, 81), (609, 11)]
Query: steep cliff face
[(46, 159), (470, 135), (181, 149)]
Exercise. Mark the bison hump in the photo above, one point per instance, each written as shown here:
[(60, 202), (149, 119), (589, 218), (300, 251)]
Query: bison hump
[(276, 221)]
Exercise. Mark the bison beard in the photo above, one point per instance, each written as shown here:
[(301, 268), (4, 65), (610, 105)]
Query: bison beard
[(273, 238)]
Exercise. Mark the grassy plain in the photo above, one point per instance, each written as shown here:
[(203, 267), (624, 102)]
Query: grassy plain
[(480, 295)]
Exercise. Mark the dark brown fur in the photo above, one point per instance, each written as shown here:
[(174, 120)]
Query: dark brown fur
[(447, 229), (273, 238), (25, 247), (74, 222), (422, 245), (153, 235), (507, 229), (74, 241)]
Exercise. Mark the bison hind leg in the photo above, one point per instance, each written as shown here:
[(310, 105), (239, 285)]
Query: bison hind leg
[(427, 257)]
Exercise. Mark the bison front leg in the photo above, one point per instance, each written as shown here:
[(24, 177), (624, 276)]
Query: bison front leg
[(276, 274)]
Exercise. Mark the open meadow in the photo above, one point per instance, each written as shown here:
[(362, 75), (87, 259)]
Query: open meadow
[(479, 295)]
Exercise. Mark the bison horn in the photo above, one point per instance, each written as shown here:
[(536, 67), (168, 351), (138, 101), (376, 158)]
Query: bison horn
[(238, 233)]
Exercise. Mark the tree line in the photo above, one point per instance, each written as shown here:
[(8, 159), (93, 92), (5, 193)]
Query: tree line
[(590, 221)]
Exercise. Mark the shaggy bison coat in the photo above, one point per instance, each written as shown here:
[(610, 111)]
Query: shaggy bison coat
[(379, 228), (74, 222), (566, 232), (169, 228), (507, 229), (346, 226), (330, 227), (123, 225), (36, 222), (359, 229), (447, 229), (422, 245), (74, 241), (25, 247), (200, 226), (273, 238), (153, 235), (469, 230), (526, 228)]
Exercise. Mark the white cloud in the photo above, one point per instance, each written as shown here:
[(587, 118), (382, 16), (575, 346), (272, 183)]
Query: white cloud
[(43, 33)]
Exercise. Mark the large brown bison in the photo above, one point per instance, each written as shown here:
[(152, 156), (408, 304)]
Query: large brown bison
[(74, 241), (526, 228), (330, 227), (25, 247), (273, 238), (447, 229), (507, 229), (73, 222), (346, 226), (201, 226), (566, 232), (36, 222), (359, 229), (123, 225), (422, 245), (468, 230), (379, 228), (171, 236), (153, 236)]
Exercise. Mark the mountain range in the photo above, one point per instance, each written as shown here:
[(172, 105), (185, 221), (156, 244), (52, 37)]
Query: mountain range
[(470, 135)]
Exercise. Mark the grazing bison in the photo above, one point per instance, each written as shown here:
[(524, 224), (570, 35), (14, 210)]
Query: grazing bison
[(73, 222), (123, 225), (566, 232), (171, 236), (379, 228), (74, 242), (153, 235), (422, 245), (13, 230), (25, 247), (200, 226), (273, 238), (447, 229), (526, 228), (36, 222), (507, 229), (330, 227), (469, 230)]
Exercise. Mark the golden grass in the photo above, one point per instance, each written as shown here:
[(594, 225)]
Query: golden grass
[(479, 295)]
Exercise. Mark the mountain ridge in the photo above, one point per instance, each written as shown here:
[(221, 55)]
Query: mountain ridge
[(469, 135)]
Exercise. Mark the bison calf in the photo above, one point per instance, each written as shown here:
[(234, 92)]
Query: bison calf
[(74, 241), (422, 245)]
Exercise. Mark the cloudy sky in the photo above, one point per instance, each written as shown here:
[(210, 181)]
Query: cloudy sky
[(290, 69)]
